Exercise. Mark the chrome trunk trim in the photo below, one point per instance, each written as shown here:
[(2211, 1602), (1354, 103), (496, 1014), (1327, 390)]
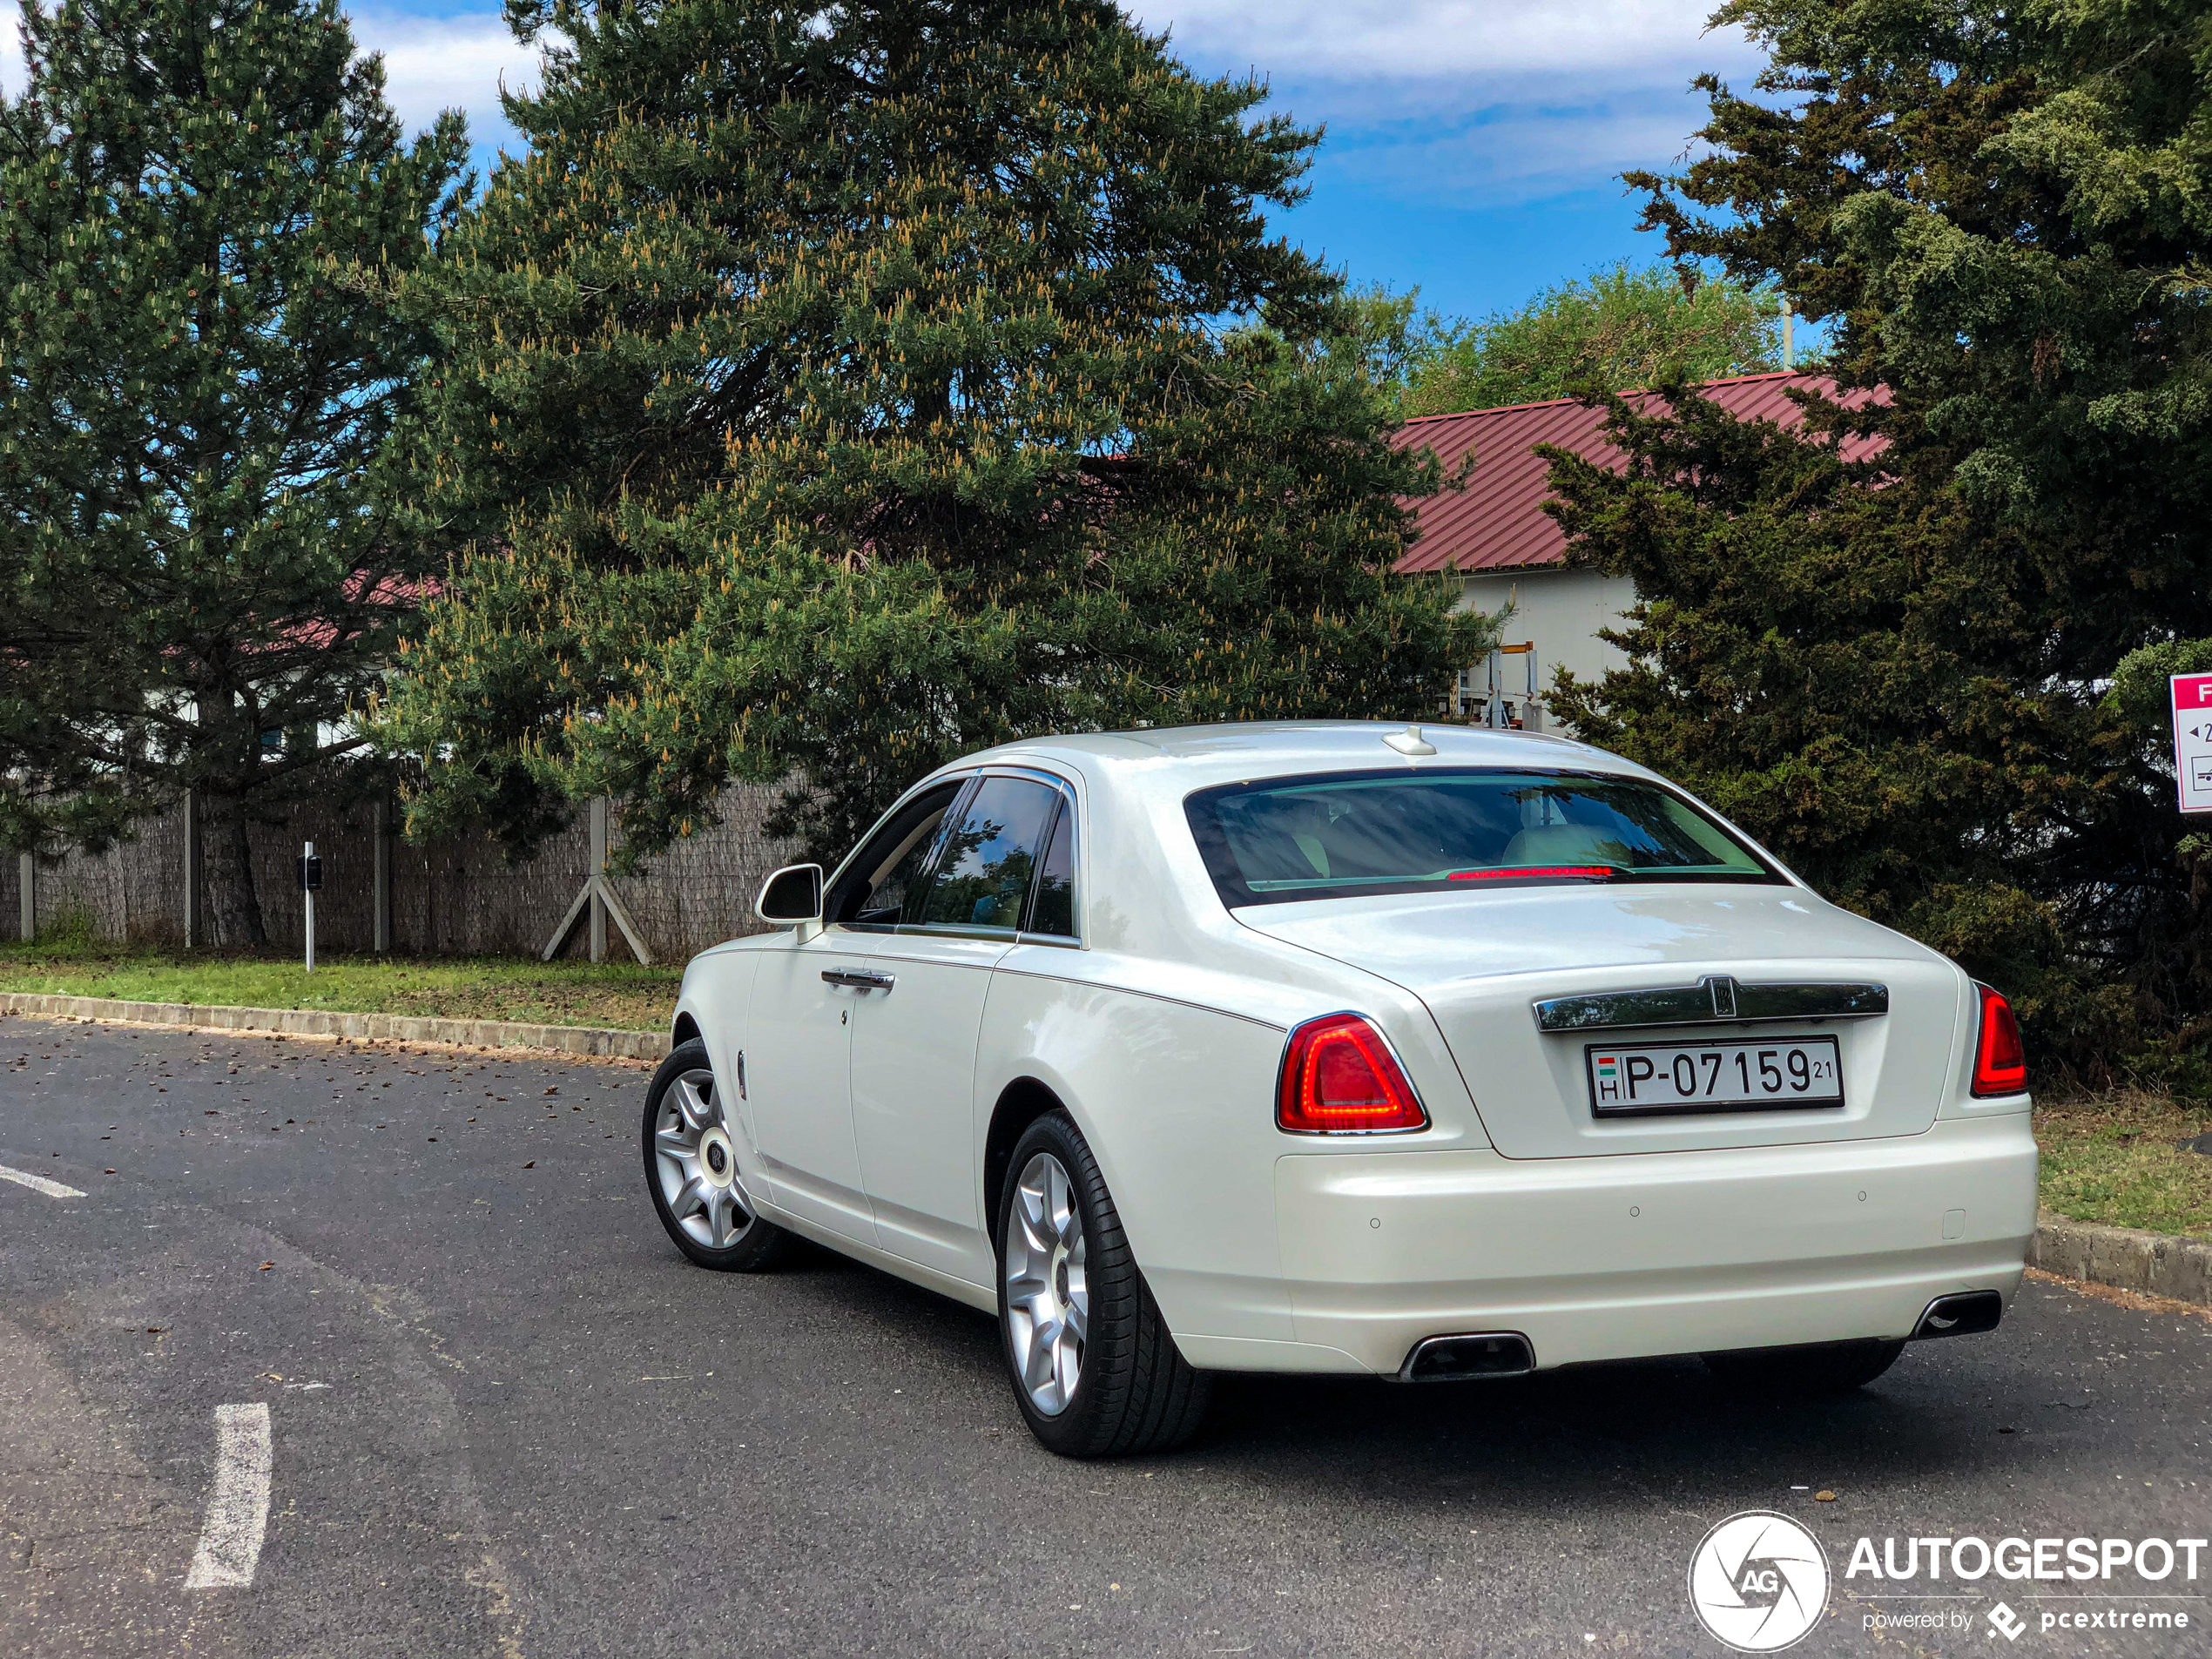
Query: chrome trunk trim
[(1714, 1000)]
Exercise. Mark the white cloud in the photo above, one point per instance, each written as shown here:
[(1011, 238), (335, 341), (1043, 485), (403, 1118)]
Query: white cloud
[(1471, 103), (1513, 156), (436, 63), (1478, 42), (1464, 103), (430, 64)]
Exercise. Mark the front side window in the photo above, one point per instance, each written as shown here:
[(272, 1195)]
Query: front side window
[(884, 886), (1333, 835), (983, 873)]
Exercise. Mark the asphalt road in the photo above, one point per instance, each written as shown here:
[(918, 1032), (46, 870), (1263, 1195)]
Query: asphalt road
[(507, 1418)]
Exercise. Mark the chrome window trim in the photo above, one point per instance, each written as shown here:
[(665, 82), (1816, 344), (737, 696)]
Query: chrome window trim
[(1718, 999), (1058, 942), (951, 930)]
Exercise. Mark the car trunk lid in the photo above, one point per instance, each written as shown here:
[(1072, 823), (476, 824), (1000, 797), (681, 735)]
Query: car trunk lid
[(1481, 961)]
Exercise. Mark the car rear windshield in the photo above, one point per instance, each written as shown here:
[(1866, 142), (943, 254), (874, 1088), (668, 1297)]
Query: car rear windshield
[(1332, 835)]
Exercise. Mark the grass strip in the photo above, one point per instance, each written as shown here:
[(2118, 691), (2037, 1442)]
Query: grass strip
[(623, 996)]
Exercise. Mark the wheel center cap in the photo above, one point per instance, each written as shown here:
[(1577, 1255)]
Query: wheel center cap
[(718, 1162)]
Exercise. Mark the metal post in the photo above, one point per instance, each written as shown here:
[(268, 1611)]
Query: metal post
[(192, 869), (383, 873), (308, 893), (599, 877), (27, 894), (1789, 337)]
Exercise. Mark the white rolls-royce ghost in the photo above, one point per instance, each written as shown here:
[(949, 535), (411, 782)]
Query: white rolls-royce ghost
[(1427, 1054)]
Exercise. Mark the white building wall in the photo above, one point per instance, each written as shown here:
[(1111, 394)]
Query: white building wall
[(1557, 612)]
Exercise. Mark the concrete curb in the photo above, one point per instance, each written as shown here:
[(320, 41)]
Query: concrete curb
[(2150, 1263), (594, 1041)]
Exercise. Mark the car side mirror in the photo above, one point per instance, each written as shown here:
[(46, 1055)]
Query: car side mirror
[(792, 894)]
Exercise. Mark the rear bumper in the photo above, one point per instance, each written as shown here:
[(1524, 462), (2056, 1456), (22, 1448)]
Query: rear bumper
[(1623, 1257)]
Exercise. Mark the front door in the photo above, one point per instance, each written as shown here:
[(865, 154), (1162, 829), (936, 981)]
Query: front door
[(914, 1112), (798, 1047), (807, 1002)]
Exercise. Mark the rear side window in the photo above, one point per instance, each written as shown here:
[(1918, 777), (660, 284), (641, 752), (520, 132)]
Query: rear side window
[(983, 873), (1053, 909), (1332, 835)]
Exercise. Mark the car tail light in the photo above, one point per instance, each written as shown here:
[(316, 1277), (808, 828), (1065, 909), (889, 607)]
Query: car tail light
[(1340, 1078), (2000, 1062)]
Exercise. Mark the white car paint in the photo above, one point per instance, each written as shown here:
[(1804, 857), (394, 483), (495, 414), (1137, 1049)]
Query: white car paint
[(868, 1113)]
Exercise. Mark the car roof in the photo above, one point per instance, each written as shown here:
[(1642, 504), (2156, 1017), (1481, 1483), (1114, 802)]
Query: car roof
[(1195, 756)]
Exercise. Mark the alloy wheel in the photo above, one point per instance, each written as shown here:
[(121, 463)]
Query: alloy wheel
[(697, 1164), (1048, 1294)]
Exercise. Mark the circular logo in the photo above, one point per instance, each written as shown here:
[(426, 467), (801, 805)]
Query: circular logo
[(1759, 1581)]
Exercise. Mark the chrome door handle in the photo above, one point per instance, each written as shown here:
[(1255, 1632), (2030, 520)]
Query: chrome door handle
[(860, 979)]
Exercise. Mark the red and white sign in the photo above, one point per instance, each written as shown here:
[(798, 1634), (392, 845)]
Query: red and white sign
[(2192, 740)]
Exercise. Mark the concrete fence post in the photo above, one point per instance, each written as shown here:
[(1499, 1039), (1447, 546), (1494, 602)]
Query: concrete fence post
[(27, 894), (192, 869), (383, 873), (598, 898), (598, 921)]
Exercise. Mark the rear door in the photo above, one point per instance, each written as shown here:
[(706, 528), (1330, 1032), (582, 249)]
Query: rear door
[(913, 1054)]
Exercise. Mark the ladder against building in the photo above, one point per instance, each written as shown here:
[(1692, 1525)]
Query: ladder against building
[(1490, 695)]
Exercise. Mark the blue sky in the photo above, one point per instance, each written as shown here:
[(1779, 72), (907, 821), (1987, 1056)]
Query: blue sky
[(1473, 145)]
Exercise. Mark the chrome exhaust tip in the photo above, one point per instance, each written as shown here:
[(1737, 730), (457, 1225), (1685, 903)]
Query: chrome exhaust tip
[(1963, 1314), (1488, 1353)]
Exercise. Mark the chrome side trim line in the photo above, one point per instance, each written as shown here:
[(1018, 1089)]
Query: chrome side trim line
[(1714, 1000)]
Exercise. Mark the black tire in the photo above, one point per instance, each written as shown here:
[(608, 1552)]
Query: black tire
[(1818, 1368), (1134, 1392), (759, 1243)]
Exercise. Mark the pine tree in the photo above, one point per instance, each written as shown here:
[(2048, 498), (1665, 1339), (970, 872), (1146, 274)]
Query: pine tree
[(1897, 671), (205, 203), (830, 393)]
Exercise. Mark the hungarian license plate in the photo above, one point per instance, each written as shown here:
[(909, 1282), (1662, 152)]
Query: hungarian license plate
[(1779, 1074)]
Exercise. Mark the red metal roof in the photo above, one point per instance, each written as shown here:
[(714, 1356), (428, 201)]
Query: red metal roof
[(1498, 521)]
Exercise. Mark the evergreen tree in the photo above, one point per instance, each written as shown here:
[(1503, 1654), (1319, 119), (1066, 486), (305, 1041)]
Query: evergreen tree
[(205, 202), (828, 393), (1897, 671), (1623, 328)]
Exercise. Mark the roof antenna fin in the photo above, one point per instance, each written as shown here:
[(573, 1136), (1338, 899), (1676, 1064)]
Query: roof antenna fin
[(1410, 742)]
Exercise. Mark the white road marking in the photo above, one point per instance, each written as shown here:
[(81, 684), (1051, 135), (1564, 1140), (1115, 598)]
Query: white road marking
[(38, 1183), (238, 1510)]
